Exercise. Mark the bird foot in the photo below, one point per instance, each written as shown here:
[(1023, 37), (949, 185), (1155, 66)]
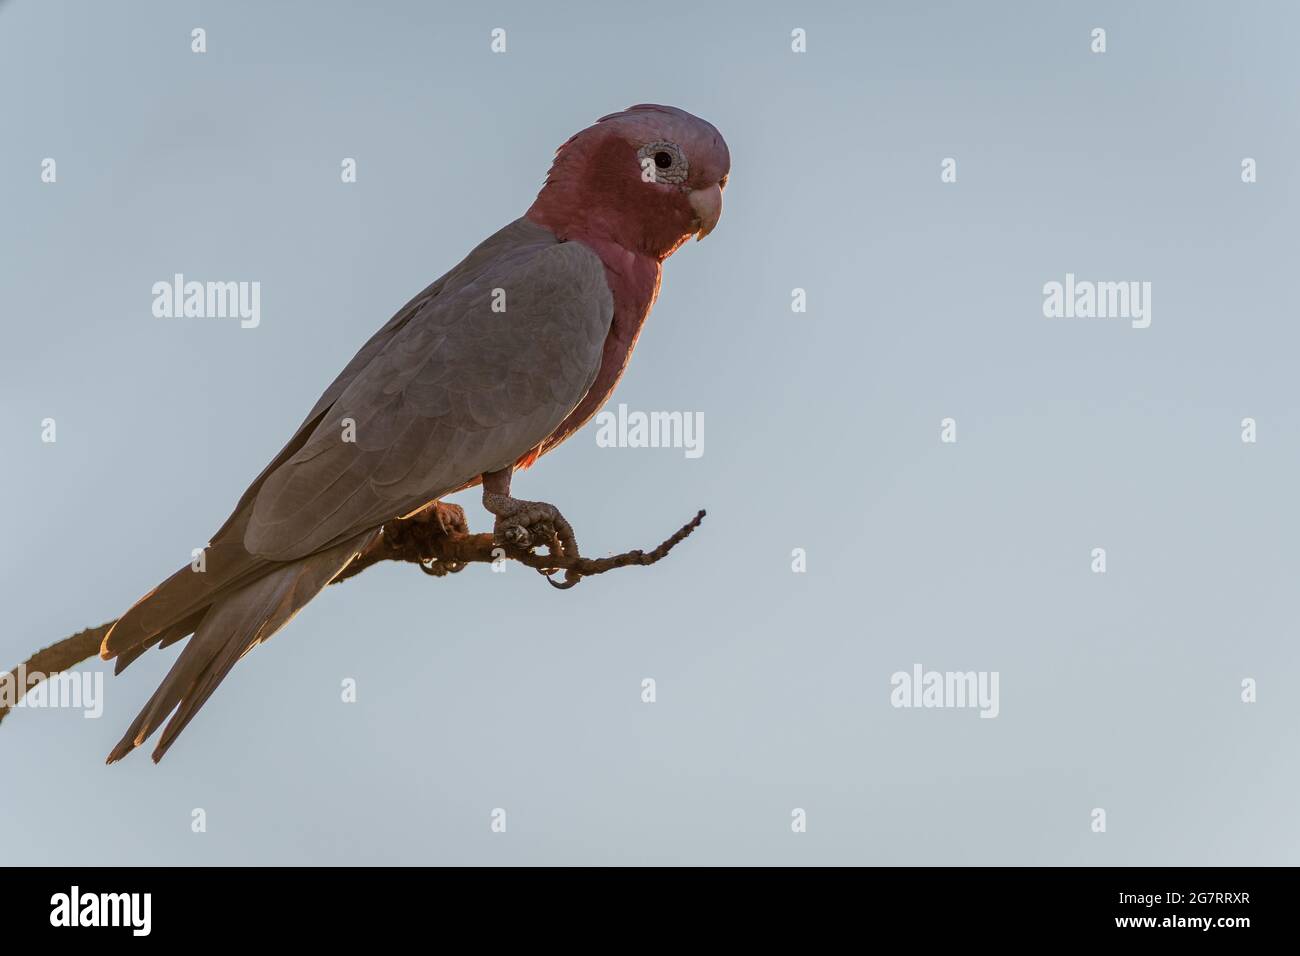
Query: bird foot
[(437, 520), (449, 519), (421, 529), (529, 524)]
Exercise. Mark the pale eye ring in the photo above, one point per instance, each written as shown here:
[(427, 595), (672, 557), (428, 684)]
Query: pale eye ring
[(666, 161)]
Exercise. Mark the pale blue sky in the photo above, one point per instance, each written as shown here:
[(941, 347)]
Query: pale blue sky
[(491, 690)]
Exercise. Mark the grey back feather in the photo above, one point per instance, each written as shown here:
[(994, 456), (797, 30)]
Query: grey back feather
[(448, 389)]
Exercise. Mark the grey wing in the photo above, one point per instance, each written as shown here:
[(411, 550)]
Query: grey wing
[(458, 390), (364, 357)]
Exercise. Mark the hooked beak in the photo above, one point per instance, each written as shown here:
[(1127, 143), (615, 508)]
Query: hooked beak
[(707, 204)]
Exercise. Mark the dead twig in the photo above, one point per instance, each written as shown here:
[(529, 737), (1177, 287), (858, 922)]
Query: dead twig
[(424, 539)]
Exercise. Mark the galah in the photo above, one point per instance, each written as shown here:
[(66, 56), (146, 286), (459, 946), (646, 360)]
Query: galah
[(490, 367)]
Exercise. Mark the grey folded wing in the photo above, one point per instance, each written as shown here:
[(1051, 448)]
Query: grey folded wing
[(480, 374)]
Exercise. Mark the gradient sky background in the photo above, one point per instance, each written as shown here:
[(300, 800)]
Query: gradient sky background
[(1119, 691)]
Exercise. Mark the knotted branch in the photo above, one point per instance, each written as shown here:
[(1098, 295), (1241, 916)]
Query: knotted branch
[(435, 542), (437, 539)]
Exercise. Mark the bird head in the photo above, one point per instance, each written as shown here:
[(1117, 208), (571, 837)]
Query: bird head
[(647, 178)]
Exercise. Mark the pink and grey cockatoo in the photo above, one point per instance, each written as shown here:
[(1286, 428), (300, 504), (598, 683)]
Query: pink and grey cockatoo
[(451, 393)]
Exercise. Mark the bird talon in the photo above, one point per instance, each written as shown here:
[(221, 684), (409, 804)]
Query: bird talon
[(450, 518), (531, 524), (517, 535), (568, 582)]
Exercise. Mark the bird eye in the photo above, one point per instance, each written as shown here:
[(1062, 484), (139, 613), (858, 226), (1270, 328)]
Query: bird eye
[(671, 168)]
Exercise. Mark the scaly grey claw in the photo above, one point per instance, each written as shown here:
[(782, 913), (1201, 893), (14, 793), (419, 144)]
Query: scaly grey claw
[(528, 524)]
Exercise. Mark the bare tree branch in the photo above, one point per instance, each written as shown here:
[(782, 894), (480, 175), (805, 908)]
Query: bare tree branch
[(436, 539)]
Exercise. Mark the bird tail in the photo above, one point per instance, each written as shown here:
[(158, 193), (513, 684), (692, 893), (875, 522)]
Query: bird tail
[(229, 627), (174, 608)]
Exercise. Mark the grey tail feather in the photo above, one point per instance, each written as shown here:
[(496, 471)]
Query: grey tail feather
[(231, 626), (184, 596), (164, 638)]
